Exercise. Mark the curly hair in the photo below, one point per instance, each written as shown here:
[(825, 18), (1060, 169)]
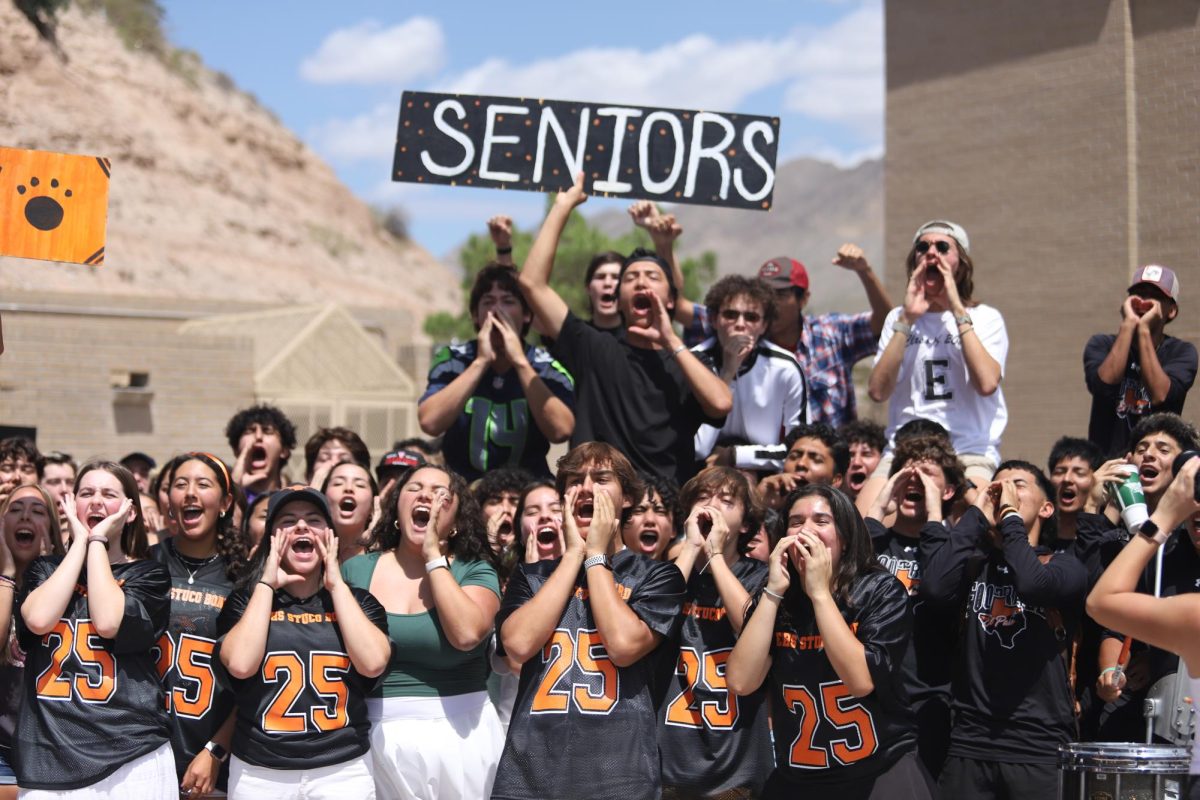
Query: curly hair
[(668, 492), (19, 447), (497, 482), (468, 539), (262, 414), (1173, 425), (864, 431), (232, 545), (838, 449), (731, 287)]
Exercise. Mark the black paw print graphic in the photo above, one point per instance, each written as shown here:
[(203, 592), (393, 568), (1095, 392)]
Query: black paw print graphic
[(43, 211)]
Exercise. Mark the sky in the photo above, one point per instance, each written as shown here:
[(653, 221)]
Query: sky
[(334, 73)]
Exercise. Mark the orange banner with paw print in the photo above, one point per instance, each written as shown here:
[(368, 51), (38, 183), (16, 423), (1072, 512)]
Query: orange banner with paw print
[(53, 206)]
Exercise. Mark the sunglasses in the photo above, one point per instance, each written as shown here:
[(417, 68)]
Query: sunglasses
[(731, 315), (942, 247)]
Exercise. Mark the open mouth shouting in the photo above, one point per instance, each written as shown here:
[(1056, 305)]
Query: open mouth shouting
[(94, 518), (304, 544), (648, 539), (584, 509), (505, 528), (642, 302), (546, 535), (347, 506), (190, 515), (257, 458), (24, 536), (421, 515), (1067, 495), (856, 480)]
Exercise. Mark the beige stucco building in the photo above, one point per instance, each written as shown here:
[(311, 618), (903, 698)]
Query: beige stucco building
[(106, 376), (1065, 137)]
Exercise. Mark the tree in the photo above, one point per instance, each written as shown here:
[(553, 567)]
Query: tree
[(580, 241)]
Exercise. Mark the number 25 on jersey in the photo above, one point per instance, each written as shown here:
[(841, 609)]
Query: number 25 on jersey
[(95, 680)]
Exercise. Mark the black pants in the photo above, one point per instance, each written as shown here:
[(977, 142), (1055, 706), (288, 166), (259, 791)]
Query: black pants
[(997, 780), (904, 780), (933, 734)]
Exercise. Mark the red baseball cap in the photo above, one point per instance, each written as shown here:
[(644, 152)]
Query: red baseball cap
[(784, 273)]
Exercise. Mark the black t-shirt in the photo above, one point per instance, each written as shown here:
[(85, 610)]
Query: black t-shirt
[(1012, 695), (935, 626), (632, 398), (306, 707), (582, 727), (91, 705), (199, 694), (824, 736), (1117, 408), (712, 741)]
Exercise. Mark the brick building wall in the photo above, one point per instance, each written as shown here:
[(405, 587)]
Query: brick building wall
[(1065, 137), (58, 369)]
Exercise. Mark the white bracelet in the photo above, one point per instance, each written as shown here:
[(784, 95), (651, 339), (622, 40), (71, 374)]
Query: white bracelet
[(901, 327), (769, 593), (437, 563)]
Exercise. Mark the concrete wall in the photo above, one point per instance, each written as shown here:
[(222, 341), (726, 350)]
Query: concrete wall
[(57, 375), (1065, 137)]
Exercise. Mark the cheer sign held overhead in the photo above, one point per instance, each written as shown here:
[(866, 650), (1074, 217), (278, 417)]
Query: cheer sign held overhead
[(53, 206), (625, 151)]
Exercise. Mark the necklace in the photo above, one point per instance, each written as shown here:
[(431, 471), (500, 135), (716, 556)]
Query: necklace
[(194, 565)]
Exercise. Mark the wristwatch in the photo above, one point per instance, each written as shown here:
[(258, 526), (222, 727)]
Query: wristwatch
[(218, 752), (965, 319), (597, 561), (1151, 531), (437, 563)]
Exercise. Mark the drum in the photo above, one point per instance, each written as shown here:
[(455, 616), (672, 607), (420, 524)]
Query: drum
[(1119, 771)]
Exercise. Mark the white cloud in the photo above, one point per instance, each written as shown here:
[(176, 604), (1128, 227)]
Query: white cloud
[(694, 72), (842, 72), (366, 137), (832, 74), (369, 53)]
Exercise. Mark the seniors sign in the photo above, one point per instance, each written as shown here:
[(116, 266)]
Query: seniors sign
[(538, 145)]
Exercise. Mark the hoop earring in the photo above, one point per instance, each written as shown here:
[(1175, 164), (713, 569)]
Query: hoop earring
[(396, 524)]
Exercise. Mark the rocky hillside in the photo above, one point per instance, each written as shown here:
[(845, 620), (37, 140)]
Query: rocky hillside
[(211, 196), (817, 206)]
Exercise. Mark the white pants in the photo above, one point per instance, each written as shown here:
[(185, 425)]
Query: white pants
[(150, 777), (350, 780), (435, 748)]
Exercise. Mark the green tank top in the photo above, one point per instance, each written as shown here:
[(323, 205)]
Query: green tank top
[(424, 663)]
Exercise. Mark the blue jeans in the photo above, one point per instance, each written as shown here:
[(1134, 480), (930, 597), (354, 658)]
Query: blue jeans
[(7, 776)]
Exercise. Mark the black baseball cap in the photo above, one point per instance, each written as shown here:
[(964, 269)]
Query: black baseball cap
[(296, 492)]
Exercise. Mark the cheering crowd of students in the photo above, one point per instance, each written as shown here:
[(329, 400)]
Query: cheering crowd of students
[(729, 587)]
